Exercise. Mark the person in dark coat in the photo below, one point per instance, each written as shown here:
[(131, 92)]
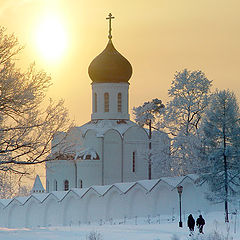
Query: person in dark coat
[(191, 224), (200, 223)]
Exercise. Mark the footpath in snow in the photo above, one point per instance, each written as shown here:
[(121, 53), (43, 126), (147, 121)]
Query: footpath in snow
[(133, 229)]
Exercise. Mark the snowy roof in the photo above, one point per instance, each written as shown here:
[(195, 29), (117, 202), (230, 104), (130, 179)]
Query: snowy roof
[(59, 194), (80, 191), (101, 190), (124, 187), (148, 185), (173, 181), (73, 147), (102, 126), (22, 200), (37, 186), (40, 196), (194, 177), (12, 200), (5, 202), (181, 179)]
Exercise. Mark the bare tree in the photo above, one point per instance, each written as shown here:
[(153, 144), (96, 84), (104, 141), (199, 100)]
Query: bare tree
[(26, 125)]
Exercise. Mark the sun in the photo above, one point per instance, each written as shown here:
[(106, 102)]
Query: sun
[(51, 38)]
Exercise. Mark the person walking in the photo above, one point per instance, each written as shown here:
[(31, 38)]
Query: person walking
[(191, 224), (200, 223)]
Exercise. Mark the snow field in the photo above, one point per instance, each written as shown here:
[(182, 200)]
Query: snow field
[(133, 229)]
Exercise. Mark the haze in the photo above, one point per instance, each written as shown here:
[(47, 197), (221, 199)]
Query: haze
[(158, 37)]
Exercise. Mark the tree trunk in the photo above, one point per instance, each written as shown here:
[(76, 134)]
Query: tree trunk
[(225, 170), (226, 188), (150, 149)]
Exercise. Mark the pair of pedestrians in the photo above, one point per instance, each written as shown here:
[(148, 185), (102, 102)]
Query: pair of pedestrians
[(191, 224)]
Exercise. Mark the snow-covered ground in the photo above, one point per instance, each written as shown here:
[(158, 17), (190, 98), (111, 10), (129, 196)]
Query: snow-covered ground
[(132, 229)]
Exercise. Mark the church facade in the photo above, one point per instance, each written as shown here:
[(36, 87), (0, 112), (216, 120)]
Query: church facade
[(110, 148)]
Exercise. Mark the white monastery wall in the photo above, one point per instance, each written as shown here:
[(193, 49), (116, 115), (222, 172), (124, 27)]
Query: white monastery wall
[(113, 199), (164, 199), (35, 212), (105, 203)]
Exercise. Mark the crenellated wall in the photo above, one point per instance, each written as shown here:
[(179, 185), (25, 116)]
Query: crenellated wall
[(102, 203)]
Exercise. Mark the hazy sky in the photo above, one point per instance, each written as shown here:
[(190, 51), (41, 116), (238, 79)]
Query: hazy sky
[(158, 37)]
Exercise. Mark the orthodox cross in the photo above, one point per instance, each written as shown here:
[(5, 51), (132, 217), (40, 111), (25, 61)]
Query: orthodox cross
[(110, 17)]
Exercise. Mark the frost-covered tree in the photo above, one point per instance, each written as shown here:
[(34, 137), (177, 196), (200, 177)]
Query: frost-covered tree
[(146, 115), (161, 155), (189, 95), (221, 138), (11, 185), (185, 153), (26, 125)]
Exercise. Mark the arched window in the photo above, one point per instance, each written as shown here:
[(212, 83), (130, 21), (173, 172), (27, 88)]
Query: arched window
[(80, 183), (55, 185), (95, 102), (106, 102), (66, 185), (133, 162), (47, 186), (119, 101)]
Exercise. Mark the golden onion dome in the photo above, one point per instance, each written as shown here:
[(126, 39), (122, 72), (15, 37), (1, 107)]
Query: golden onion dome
[(110, 66)]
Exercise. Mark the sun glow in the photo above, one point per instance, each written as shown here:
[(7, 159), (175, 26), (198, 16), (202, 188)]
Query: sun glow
[(51, 38)]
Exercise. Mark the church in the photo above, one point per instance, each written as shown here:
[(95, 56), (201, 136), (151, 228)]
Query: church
[(110, 148)]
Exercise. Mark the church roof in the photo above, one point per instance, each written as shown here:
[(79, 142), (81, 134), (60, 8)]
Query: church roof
[(37, 186), (102, 126), (110, 66)]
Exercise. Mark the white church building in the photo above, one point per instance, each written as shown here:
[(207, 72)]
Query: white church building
[(110, 148)]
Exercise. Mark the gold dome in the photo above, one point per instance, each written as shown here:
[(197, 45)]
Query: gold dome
[(110, 66)]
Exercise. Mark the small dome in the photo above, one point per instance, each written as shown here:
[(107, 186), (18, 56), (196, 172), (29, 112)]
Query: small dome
[(110, 66)]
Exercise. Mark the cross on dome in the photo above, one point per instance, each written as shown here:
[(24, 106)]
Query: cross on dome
[(110, 66), (110, 17)]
